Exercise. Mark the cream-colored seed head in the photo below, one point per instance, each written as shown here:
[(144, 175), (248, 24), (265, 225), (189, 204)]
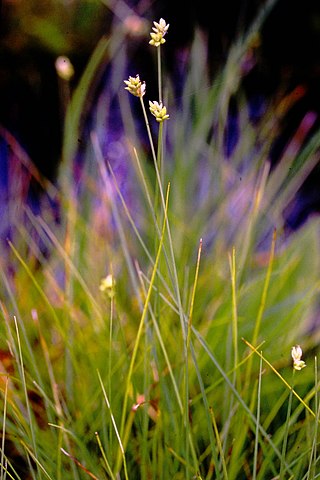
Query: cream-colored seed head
[(159, 111), (135, 86), (296, 353), (160, 29), (64, 68)]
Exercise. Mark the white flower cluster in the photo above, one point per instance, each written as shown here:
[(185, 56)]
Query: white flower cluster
[(159, 31), (296, 353)]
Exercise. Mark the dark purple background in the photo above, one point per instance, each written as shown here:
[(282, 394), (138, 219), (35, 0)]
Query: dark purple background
[(289, 57)]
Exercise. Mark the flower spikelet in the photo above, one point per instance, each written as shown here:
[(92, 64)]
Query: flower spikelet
[(159, 111), (135, 86), (64, 68), (296, 353), (159, 31), (107, 285)]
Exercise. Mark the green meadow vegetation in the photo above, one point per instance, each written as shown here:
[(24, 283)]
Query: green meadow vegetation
[(155, 341)]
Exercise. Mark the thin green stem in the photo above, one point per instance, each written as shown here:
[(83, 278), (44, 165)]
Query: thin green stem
[(160, 166), (115, 427), (194, 293), (159, 73), (24, 384), (110, 357), (148, 131), (256, 441), (313, 454), (4, 417), (262, 305), (232, 262), (286, 432), (219, 444), (103, 453)]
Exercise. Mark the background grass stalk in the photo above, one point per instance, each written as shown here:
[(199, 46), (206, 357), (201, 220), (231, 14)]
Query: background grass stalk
[(105, 459), (187, 344), (116, 213), (25, 390), (193, 294), (256, 440), (219, 444), (60, 249), (232, 264), (69, 246), (262, 306), (38, 287), (110, 356), (214, 464), (123, 456), (286, 432), (4, 416), (313, 454)]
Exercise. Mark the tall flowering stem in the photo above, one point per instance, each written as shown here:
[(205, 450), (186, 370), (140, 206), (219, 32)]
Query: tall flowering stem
[(160, 29), (159, 111), (149, 134), (159, 73), (138, 88), (298, 364)]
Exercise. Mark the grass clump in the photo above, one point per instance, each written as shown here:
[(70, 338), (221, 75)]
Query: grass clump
[(155, 340)]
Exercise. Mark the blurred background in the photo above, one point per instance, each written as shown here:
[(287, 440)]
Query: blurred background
[(284, 59)]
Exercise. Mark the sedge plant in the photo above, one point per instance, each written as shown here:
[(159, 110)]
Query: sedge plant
[(154, 341)]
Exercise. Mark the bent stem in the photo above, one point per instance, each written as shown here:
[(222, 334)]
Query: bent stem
[(280, 376), (156, 161)]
